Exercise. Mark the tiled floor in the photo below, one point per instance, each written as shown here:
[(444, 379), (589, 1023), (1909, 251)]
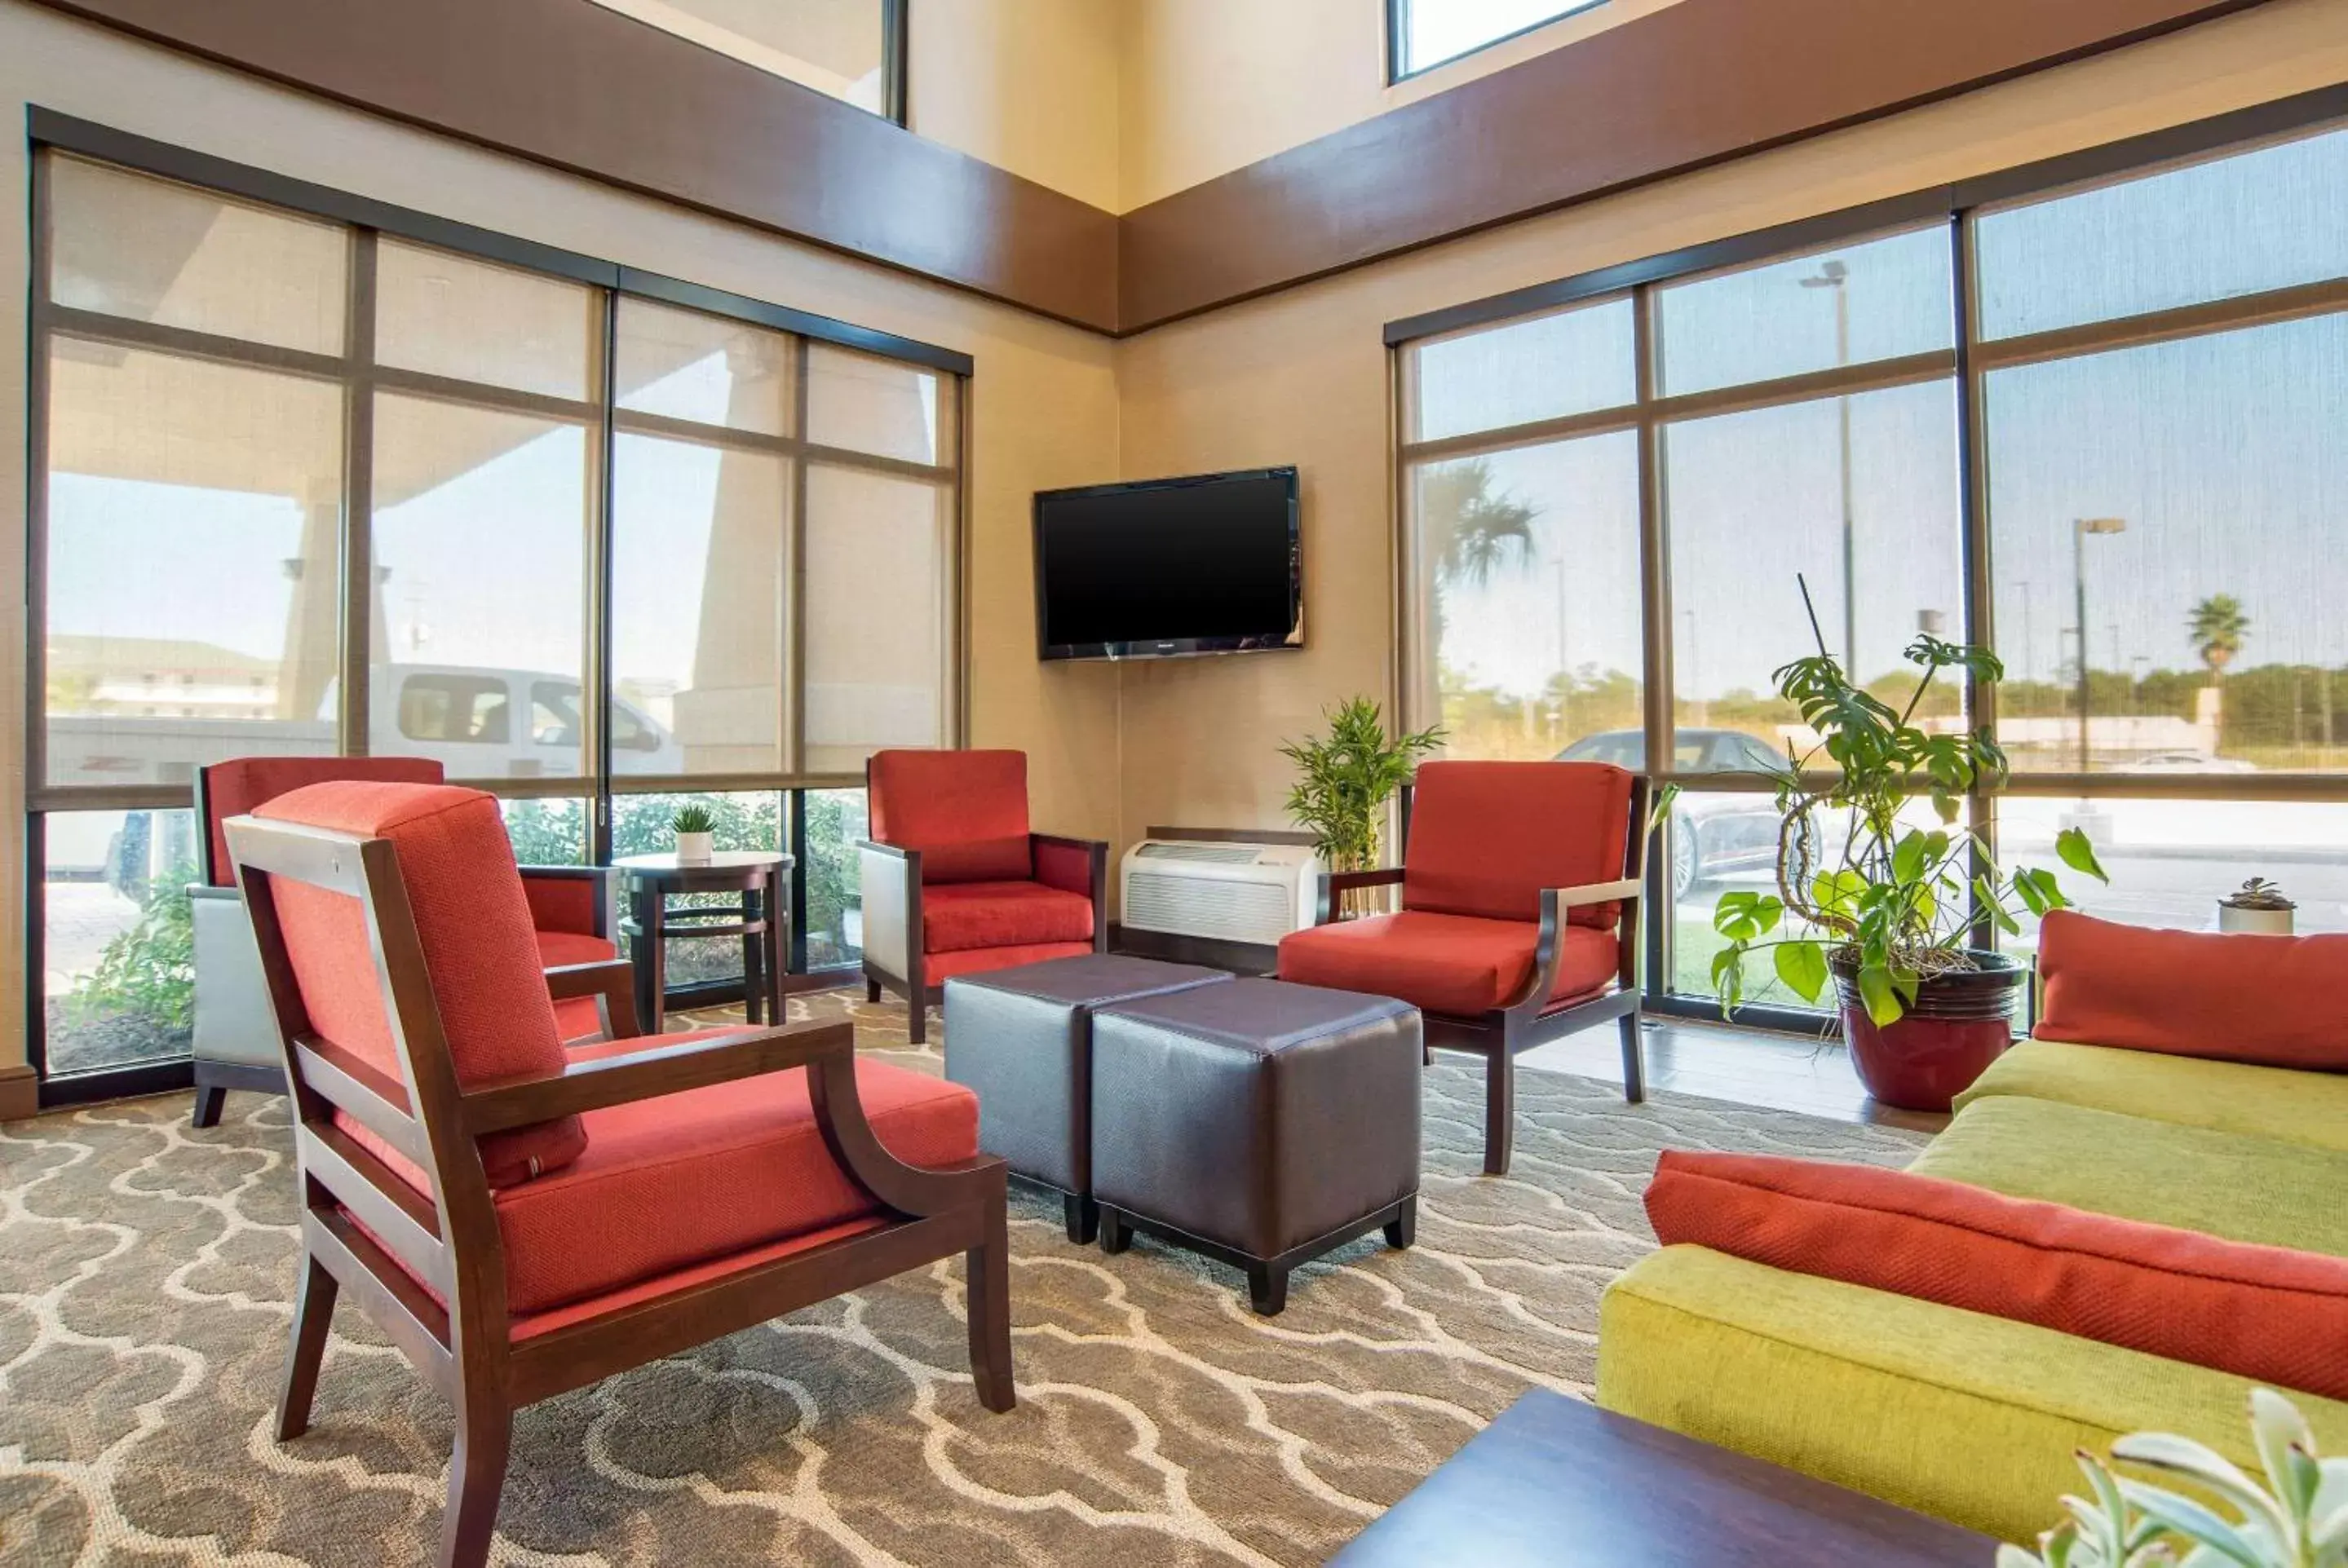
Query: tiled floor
[(1782, 1072)]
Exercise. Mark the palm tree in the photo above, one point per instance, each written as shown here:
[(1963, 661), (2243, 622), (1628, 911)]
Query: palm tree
[(1466, 531), (2217, 627)]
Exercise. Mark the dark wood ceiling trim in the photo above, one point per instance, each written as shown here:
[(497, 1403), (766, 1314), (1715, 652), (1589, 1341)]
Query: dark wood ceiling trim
[(598, 94), (1692, 85)]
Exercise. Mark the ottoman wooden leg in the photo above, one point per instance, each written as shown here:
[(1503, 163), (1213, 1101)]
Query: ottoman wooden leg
[(1267, 1288), (1115, 1234), (1403, 1229), (1083, 1215)]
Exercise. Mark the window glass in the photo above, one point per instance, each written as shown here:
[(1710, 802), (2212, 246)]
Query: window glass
[(1429, 32), (833, 875), (547, 831), (446, 314), (1854, 305), (878, 550), (2187, 495), (878, 406), (480, 531), (194, 557), (2211, 230), (118, 983), (700, 542), (1756, 498), (643, 824), (838, 47), (683, 364), (152, 250), (1527, 639), (1574, 362)]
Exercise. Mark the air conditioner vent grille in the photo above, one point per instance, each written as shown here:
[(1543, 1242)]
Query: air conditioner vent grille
[(1236, 912), (1203, 854)]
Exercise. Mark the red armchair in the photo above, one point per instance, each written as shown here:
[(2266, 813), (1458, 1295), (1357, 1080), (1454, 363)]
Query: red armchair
[(235, 1042), (522, 1218), (1520, 918), (955, 884)]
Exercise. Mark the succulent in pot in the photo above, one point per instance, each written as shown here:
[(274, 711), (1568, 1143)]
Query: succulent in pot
[(1884, 908), (695, 833), (2258, 908)]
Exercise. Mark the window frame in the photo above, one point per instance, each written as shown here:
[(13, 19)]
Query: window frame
[(1399, 71), (1956, 207), (361, 380)]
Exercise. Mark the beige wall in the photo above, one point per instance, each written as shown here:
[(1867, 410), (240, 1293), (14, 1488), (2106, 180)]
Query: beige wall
[(1303, 377), (1210, 85), (1042, 411), (1030, 85)]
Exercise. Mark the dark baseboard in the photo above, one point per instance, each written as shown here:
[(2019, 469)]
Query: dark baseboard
[(1239, 957)]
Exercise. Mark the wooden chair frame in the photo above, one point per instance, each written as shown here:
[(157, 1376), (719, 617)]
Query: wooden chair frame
[(893, 960), (450, 1238), (1528, 1018)]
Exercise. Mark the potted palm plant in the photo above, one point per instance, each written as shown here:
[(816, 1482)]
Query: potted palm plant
[(1884, 909), (1344, 780)]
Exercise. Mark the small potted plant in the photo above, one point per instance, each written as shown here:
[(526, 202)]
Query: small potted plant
[(1886, 910), (695, 833), (2260, 908), (1344, 781)]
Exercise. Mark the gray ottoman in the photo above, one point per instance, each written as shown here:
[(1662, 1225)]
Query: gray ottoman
[(1258, 1122), (1023, 1039)]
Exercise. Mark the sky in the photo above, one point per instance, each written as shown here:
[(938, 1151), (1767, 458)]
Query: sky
[(2227, 456)]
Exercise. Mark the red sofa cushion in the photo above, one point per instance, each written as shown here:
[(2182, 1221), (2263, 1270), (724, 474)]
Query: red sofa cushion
[(966, 812), (1451, 964), (479, 948), (241, 785), (679, 1181), (2262, 1312), (563, 902), (1486, 837), (967, 915), (940, 968), (2271, 1001)]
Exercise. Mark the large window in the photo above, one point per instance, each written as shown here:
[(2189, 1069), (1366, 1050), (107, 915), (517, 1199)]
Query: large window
[(306, 486), (2102, 429), (853, 50), (1427, 33)]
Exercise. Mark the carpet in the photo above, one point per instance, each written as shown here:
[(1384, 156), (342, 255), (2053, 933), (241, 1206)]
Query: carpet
[(146, 1272)]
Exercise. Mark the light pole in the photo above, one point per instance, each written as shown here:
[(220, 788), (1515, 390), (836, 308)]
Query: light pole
[(2028, 669), (1835, 275), (2080, 528)]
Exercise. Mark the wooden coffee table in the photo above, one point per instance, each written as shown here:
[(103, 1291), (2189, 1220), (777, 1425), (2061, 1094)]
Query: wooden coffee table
[(1555, 1483)]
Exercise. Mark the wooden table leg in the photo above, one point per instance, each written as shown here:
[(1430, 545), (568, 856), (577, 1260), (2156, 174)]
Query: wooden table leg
[(753, 956), (651, 966), (778, 916)]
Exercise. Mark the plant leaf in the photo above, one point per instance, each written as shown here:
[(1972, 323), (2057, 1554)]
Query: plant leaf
[(1875, 990), (2073, 848), (1803, 967), (2192, 1521)]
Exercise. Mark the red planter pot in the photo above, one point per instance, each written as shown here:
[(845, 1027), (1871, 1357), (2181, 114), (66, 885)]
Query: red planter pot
[(1957, 1025)]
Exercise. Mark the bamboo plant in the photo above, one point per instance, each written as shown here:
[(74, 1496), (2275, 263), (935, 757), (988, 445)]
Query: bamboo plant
[(1345, 778)]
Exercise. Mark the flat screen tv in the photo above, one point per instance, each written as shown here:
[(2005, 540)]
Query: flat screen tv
[(1169, 568)]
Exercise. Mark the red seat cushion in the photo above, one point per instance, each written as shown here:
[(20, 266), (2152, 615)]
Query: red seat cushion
[(2271, 1001), (940, 968), (479, 951), (1486, 837), (1452, 964), (669, 1183), (241, 785), (963, 915), (966, 812), (576, 1017), (2267, 1312)]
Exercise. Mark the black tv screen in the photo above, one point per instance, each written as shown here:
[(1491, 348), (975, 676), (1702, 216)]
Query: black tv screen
[(1169, 566)]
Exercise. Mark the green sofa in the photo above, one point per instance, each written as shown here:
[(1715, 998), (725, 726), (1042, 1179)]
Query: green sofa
[(1971, 1417)]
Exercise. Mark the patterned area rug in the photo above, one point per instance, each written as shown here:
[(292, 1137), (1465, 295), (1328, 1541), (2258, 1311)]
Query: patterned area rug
[(146, 1271)]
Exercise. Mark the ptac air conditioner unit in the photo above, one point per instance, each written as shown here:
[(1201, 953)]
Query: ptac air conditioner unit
[(1234, 892)]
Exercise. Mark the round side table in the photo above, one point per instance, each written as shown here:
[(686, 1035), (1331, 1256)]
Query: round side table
[(763, 879)]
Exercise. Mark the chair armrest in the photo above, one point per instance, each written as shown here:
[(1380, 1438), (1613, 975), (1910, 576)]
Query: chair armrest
[(1549, 951), (1079, 865), (206, 890), (1599, 893), (1333, 883), (828, 1051), (891, 878), (612, 981)]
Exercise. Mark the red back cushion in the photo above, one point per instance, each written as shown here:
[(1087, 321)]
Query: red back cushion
[(241, 786), (479, 948), (1486, 837), (2262, 1312), (2271, 1000), (966, 812)]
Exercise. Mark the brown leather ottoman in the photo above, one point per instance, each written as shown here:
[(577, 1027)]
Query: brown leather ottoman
[(1260, 1124), (1023, 1039)]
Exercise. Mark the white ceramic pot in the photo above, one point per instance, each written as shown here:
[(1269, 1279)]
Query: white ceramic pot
[(2255, 922), (696, 848)]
